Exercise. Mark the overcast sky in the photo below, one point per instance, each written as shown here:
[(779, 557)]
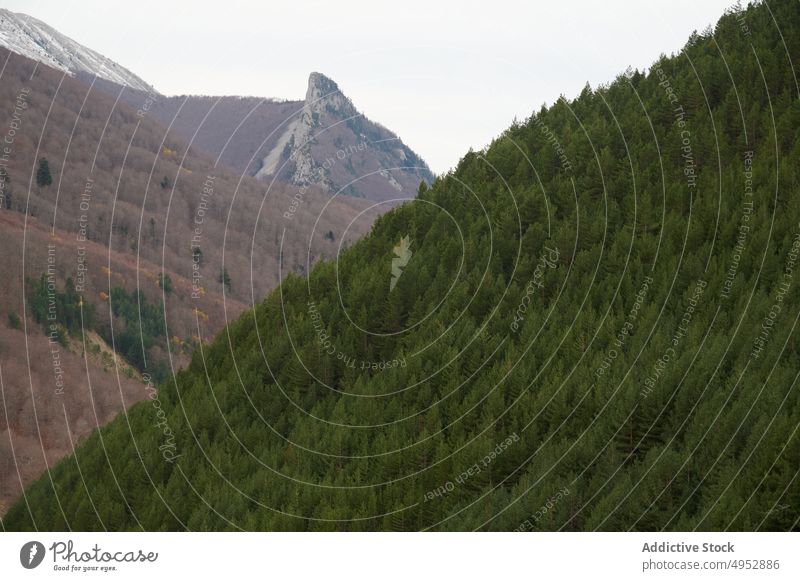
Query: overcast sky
[(444, 75)]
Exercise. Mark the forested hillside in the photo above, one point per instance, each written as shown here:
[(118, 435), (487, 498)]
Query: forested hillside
[(592, 324), (98, 202)]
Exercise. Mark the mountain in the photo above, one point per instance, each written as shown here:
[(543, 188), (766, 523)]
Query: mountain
[(330, 144), (123, 250), (322, 141), (589, 325), (36, 40)]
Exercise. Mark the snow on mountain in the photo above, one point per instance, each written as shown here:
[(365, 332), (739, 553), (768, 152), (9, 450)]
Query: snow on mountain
[(323, 141), (36, 40)]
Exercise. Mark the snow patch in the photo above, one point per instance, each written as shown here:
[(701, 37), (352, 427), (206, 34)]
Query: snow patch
[(36, 40)]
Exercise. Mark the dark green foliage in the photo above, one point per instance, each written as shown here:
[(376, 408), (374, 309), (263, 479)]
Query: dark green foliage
[(197, 255), (6, 190), (224, 279), (14, 321), (137, 325), (43, 177), (565, 348), (165, 282), (66, 309), (153, 236)]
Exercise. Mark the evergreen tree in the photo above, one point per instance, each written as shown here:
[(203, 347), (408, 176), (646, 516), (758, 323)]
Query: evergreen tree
[(224, 279), (43, 177)]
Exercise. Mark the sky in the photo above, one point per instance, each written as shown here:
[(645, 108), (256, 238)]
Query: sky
[(445, 76)]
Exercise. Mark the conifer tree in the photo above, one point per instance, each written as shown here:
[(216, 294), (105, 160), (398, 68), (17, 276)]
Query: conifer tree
[(43, 177)]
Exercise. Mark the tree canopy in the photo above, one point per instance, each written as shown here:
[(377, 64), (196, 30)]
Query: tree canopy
[(596, 330)]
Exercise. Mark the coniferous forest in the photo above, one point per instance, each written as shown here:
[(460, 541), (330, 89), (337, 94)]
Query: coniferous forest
[(590, 325)]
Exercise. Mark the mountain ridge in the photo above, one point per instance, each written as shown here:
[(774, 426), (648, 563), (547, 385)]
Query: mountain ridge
[(39, 41), (322, 141)]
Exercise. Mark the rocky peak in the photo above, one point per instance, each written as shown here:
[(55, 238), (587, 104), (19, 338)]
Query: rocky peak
[(331, 145), (324, 96), (319, 85)]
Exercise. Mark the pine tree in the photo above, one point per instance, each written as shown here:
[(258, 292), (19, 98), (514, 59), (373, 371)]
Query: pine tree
[(43, 177), (224, 279)]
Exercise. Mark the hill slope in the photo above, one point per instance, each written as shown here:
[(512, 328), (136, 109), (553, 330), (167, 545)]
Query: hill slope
[(128, 220), (590, 325), (237, 130)]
